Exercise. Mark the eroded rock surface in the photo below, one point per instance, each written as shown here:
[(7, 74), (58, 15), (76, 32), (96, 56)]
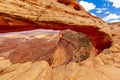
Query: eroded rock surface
[(105, 66), (26, 71), (52, 46), (21, 15)]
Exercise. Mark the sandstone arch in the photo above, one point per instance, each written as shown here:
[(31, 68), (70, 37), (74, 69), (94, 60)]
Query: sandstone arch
[(19, 15)]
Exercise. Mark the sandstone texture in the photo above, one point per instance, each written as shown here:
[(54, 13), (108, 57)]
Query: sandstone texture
[(54, 55), (54, 47), (21, 15), (26, 71), (105, 66)]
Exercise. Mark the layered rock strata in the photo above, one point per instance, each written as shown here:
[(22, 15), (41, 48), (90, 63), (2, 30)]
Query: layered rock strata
[(21, 15), (105, 66), (56, 48)]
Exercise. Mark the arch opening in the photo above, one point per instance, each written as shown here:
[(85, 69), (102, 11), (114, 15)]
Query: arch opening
[(74, 46), (100, 39)]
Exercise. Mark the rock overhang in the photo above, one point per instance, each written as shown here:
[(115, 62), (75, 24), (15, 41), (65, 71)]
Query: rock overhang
[(20, 15)]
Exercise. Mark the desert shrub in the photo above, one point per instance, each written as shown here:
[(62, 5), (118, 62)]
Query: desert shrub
[(84, 56)]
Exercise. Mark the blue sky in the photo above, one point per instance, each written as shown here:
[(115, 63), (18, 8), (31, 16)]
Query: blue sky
[(108, 10)]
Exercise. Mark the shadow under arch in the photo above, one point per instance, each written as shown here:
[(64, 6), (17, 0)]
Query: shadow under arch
[(100, 39)]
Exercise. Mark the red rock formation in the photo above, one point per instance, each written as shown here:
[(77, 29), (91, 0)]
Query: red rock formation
[(22, 15), (105, 66), (55, 48)]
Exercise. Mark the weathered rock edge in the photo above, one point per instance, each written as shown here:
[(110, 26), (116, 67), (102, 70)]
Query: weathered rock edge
[(19, 15)]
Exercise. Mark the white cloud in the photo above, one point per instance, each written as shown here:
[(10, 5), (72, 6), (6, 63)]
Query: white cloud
[(93, 14), (116, 3), (88, 6), (111, 17), (107, 12), (116, 20), (104, 8), (99, 10)]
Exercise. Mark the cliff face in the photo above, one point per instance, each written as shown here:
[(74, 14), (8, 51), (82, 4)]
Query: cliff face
[(105, 66), (21, 15), (53, 47), (67, 55)]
